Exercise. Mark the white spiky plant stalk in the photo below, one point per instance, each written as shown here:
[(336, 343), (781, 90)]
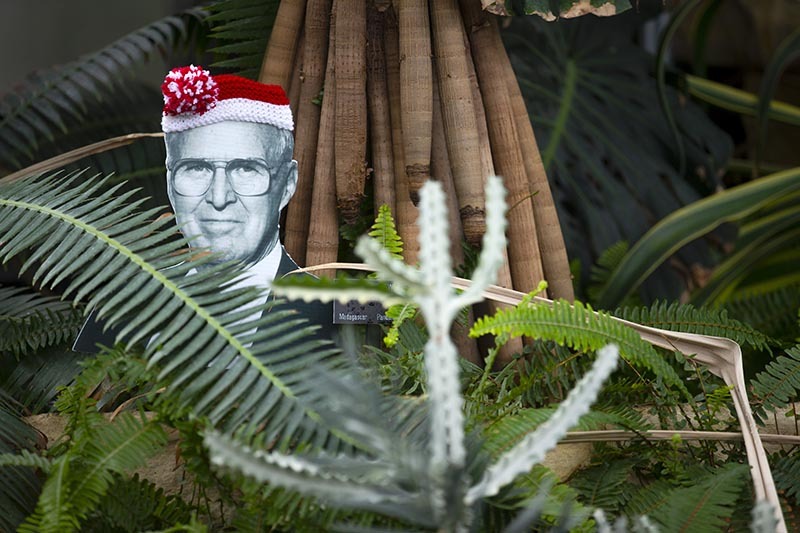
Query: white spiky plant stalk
[(532, 449)]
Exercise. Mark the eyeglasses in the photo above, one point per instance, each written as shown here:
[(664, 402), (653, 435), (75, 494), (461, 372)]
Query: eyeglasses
[(193, 177)]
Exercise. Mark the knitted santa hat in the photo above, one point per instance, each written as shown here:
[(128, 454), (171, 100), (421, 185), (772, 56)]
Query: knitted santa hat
[(193, 98)]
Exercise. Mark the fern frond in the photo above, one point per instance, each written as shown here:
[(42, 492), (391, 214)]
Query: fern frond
[(581, 328), (600, 272), (603, 485), (41, 107), (29, 321), (690, 319), (135, 273), (787, 474), (242, 27), (80, 478), (705, 505), (135, 504), (772, 313), (25, 458), (399, 314), (779, 383), (384, 231)]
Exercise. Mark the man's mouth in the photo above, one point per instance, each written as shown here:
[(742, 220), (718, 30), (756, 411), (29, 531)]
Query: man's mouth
[(219, 224)]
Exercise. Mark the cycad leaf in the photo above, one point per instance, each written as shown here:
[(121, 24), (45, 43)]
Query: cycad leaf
[(251, 379), (44, 106), (29, 321), (579, 327)]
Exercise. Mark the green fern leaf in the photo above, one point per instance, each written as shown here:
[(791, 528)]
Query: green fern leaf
[(779, 383), (706, 505), (135, 504), (399, 314), (604, 485), (29, 322), (787, 474), (383, 230), (80, 478), (690, 319), (600, 272), (773, 313), (25, 458), (581, 328)]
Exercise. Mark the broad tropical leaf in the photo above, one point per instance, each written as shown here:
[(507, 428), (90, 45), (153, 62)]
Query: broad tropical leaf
[(691, 222), (590, 95)]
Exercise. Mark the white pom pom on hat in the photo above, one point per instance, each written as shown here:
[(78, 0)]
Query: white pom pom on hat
[(194, 98)]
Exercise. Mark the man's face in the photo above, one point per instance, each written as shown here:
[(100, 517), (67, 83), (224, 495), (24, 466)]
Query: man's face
[(241, 227)]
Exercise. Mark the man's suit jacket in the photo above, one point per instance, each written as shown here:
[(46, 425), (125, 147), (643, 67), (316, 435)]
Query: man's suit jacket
[(316, 313)]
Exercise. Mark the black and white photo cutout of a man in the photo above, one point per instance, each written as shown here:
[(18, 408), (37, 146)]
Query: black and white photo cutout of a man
[(230, 172)]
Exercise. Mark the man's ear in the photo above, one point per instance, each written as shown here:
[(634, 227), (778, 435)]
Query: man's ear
[(290, 169)]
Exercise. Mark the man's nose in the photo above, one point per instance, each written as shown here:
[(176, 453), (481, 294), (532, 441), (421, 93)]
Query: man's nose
[(220, 194)]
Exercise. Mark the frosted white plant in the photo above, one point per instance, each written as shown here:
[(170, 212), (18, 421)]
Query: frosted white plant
[(443, 497)]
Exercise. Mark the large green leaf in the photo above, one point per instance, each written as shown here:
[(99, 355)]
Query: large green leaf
[(691, 222), (609, 155)]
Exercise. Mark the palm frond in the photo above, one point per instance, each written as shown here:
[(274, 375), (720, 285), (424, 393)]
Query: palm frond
[(50, 100), (242, 27), (29, 321), (690, 319), (779, 383), (579, 327), (589, 92)]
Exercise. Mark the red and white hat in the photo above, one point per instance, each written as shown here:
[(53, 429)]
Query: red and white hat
[(194, 98)]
